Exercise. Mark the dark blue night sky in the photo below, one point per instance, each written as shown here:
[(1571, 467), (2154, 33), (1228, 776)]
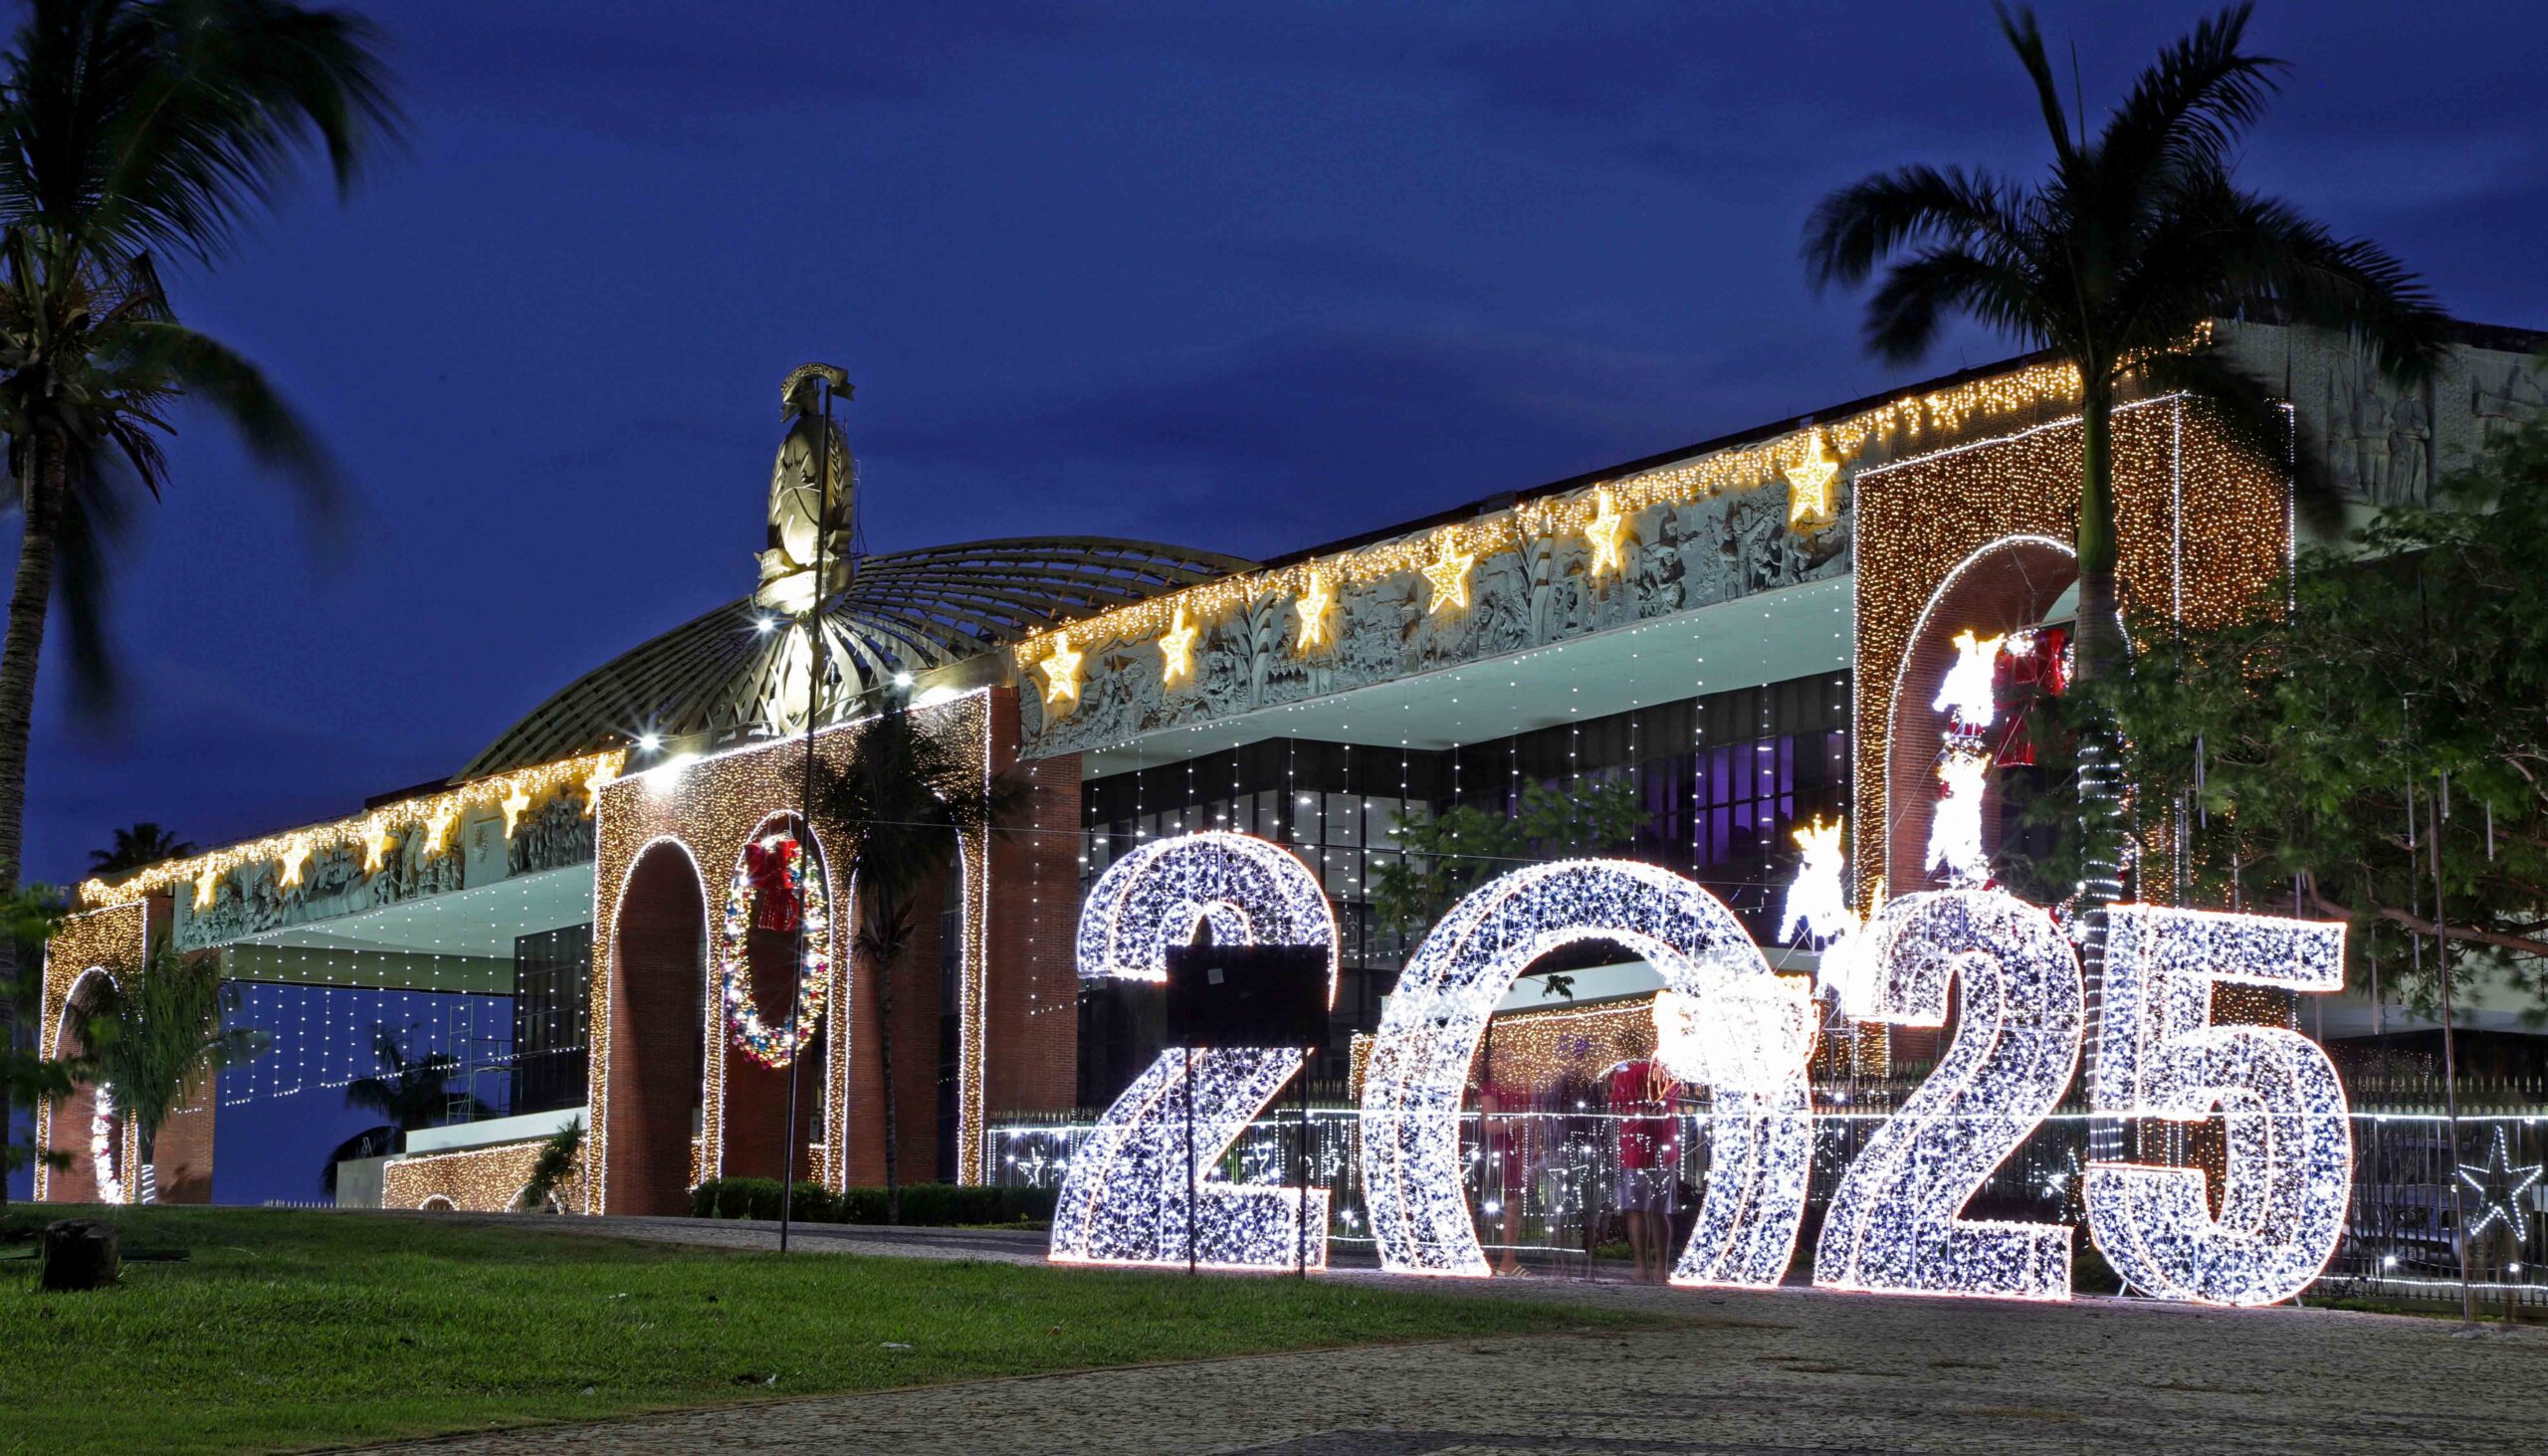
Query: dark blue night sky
[(1246, 278)]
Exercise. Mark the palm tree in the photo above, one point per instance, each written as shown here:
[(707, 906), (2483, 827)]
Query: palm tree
[(558, 1159), (29, 914), (2115, 261), (143, 844), (153, 1037), (904, 799), (131, 130), (411, 1092)]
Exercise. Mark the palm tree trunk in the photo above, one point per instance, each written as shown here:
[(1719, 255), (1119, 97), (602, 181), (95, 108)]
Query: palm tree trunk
[(30, 596), (2100, 648), (885, 1055)]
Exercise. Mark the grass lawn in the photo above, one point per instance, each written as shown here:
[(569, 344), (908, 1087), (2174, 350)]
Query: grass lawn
[(299, 1329)]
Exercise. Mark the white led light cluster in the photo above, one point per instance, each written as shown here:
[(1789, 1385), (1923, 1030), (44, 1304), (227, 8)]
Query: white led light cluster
[(1892, 1225), (1748, 1035), (1147, 1187), (1964, 764), (101, 1145), (1152, 899), (2289, 1169)]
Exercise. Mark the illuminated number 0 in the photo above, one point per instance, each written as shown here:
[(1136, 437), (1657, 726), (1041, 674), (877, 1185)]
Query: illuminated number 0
[(1749, 1033), (1892, 1227), (2288, 1174), (1130, 1188)]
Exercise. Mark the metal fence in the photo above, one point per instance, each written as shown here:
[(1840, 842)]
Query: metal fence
[(1543, 1183)]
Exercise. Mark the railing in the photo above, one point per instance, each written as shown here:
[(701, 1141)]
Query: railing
[(1543, 1183)]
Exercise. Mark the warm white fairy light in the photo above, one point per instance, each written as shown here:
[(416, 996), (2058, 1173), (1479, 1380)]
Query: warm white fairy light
[(1748, 1033), (1153, 900), (1606, 532), (1810, 482), (1176, 652), (2289, 1176), (1061, 673), (1318, 599), (1448, 575), (1147, 1186), (1892, 1225)]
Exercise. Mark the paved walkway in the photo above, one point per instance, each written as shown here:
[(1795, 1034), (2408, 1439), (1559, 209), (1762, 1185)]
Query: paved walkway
[(1793, 1372)]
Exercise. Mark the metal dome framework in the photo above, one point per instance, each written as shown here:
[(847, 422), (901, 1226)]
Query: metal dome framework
[(905, 612)]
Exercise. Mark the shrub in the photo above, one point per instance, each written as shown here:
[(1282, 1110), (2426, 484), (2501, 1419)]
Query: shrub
[(928, 1204)]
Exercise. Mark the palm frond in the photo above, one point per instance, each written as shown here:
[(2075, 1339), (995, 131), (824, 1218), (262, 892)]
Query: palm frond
[(1906, 315), (1859, 226), (2348, 286), (212, 373), (2026, 38), (2188, 107)]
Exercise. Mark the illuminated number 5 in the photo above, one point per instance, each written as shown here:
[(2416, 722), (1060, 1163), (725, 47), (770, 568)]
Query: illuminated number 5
[(2289, 1170), (1131, 1187), (1892, 1227)]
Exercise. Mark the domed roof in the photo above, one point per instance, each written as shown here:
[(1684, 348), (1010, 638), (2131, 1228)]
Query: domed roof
[(906, 612)]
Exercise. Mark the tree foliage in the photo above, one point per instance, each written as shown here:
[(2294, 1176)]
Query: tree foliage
[(410, 1092), (137, 847), (1447, 854), (558, 1157), (29, 916), (154, 1035), (2409, 679)]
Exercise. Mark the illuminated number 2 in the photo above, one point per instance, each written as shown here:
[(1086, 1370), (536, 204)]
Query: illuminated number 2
[(1152, 1162), (2288, 1174), (1892, 1227)]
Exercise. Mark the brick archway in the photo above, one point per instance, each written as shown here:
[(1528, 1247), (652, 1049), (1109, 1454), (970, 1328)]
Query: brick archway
[(73, 1115), (658, 959), (2005, 586)]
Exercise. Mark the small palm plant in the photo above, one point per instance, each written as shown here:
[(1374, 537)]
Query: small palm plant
[(157, 1037), (411, 1092), (904, 799), (560, 1158)]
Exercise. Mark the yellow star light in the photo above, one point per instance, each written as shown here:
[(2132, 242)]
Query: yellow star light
[(1605, 530), (1449, 574), (1061, 672), (516, 804), (604, 772), (1810, 482), (1313, 607), (376, 844), (1176, 652), (295, 855), (205, 883), (438, 830)]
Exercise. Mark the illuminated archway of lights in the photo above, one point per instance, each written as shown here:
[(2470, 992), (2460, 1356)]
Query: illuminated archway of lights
[(1892, 1225), (1748, 1037), (1144, 1189), (101, 1145), (2289, 1176)]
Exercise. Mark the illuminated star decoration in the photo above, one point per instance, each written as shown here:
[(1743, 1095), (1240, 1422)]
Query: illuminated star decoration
[(205, 883), (2499, 1186), (1176, 652), (1313, 607), (1449, 575), (1061, 672), (376, 844), (1810, 482), (1605, 531), (516, 804), (602, 773), (295, 855), (438, 831)]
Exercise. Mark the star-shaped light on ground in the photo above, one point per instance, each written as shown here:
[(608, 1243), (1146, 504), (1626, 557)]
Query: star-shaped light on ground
[(376, 844), (295, 855), (1449, 575), (1810, 482), (205, 883), (1176, 652), (2499, 1187), (1605, 530), (1061, 672), (516, 804), (438, 830), (604, 772), (1313, 607)]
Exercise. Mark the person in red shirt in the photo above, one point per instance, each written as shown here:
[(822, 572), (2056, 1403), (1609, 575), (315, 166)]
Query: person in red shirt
[(1641, 1095)]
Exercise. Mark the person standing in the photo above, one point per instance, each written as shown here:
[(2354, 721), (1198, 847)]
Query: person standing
[(1641, 1094)]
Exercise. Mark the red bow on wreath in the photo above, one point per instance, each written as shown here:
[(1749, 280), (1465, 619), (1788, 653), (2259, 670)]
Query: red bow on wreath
[(771, 865)]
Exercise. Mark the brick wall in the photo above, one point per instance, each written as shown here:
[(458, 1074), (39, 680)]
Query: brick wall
[(655, 1035), (1032, 1005)]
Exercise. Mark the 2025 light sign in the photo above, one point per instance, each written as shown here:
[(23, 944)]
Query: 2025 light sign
[(1895, 1223)]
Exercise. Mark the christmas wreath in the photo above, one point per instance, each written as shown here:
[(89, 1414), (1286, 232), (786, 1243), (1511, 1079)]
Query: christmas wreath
[(771, 889)]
